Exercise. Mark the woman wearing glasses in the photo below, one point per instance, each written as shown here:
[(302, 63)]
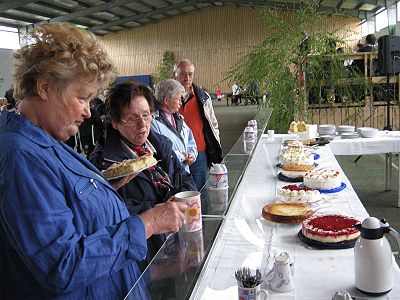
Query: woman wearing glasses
[(129, 109)]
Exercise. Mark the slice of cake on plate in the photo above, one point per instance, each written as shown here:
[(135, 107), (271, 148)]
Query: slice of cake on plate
[(130, 166)]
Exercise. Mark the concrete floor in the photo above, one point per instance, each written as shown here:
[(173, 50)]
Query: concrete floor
[(366, 175)]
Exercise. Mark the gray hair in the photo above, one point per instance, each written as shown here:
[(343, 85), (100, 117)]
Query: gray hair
[(168, 88), (181, 62)]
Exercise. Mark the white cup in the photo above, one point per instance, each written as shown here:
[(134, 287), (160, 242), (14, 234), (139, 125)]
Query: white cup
[(271, 133), (252, 293), (312, 130), (218, 177), (193, 213), (280, 278)]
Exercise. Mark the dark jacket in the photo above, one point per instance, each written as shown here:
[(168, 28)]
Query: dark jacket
[(139, 194), (89, 131), (210, 128), (359, 63), (9, 95)]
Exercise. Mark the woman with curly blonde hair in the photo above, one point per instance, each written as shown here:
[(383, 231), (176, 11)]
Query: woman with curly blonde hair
[(64, 231)]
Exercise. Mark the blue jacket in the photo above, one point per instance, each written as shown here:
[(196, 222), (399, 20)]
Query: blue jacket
[(64, 231), (181, 137)]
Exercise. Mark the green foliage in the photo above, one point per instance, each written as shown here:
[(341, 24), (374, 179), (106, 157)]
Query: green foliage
[(165, 67), (296, 46)]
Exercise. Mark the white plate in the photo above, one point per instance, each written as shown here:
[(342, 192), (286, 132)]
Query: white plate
[(349, 135), (346, 128)]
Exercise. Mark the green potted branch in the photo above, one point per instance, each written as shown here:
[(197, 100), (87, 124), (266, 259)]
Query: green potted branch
[(296, 60)]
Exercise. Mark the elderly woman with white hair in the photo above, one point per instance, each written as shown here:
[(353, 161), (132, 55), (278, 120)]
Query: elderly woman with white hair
[(168, 122)]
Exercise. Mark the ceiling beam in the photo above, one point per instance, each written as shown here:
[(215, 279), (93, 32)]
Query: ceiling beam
[(34, 12), (339, 5), (149, 14), (80, 3), (55, 7), (82, 13), (11, 4), (17, 18)]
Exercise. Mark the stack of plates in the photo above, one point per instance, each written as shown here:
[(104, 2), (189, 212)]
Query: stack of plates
[(349, 135), (346, 129), (326, 129)]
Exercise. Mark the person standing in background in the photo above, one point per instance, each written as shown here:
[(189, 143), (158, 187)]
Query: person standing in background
[(170, 123), (236, 93), (9, 95), (218, 92), (369, 46), (199, 115)]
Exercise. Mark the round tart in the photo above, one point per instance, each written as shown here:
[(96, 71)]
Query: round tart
[(286, 212), (130, 166), (330, 228)]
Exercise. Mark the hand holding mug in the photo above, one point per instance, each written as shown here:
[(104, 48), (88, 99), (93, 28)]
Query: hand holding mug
[(164, 217)]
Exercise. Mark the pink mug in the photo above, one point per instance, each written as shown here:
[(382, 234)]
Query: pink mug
[(193, 213)]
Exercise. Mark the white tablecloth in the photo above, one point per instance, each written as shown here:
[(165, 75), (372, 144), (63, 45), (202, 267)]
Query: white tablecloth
[(245, 239), (363, 146)]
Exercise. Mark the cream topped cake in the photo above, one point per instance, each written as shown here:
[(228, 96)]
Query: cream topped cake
[(322, 179), (294, 193), (330, 228), (297, 157)]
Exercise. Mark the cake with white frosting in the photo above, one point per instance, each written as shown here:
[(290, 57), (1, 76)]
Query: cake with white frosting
[(294, 193), (330, 228), (322, 179), (297, 157)]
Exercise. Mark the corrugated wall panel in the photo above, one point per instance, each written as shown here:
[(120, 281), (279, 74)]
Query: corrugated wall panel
[(214, 38)]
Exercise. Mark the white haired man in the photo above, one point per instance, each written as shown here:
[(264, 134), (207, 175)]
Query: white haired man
[(198, 112)]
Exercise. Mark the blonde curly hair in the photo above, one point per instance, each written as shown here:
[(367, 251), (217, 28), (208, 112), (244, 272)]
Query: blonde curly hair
[(61, 52)]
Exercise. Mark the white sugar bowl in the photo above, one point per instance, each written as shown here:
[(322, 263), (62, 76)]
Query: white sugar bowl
[(368, 132)]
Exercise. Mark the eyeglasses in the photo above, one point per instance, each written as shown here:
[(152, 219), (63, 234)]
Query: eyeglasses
[(134, 120), (184, 74)]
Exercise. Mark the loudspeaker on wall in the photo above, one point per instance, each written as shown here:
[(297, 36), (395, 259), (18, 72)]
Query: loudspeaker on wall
[(389, 55)]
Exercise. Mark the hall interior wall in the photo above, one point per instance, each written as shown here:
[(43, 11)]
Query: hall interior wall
[(214, 38)]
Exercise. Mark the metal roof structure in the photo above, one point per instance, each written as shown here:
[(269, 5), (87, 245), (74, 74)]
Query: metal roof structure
[(104, 16)]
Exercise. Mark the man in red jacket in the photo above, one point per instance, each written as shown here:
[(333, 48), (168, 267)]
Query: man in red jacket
[(199, 115)]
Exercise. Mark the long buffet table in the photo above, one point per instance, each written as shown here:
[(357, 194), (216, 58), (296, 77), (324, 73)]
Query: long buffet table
[(201, 265), (246, 239)]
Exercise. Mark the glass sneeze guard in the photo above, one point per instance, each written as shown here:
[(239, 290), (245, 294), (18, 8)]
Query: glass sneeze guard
[(173, 272)]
